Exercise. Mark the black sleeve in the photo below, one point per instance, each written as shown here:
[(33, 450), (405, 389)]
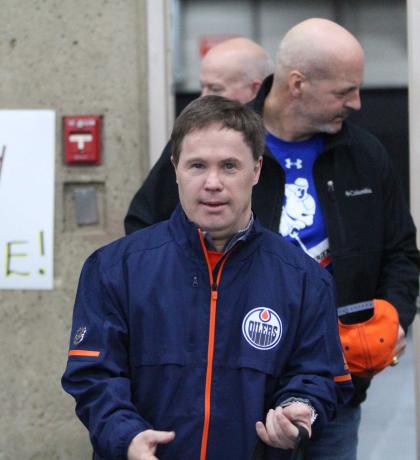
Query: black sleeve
[(399, 280), (157, 197)]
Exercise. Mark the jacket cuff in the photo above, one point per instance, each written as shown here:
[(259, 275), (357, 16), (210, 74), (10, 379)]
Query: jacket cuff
[(118, 440)]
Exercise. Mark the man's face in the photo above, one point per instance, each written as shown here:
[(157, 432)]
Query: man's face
[(326, 103), (215, 175), (221, 77)]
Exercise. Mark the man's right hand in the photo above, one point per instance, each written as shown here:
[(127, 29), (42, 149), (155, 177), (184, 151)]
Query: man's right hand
[(280, 429), (143, 446)]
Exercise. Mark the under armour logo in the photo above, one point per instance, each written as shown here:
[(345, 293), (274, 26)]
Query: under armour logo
[(289, 163)]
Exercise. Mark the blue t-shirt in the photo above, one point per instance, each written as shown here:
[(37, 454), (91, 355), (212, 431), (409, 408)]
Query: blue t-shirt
[(302, 221)]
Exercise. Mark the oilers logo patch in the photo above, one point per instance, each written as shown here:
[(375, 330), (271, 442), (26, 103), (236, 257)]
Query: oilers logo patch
[(262, 328), (80, 335)]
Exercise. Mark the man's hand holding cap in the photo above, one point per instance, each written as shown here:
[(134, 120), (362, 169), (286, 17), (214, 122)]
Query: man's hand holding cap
[(370, 346)]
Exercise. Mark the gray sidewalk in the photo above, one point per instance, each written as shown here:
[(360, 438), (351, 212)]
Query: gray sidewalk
[(388, 429)]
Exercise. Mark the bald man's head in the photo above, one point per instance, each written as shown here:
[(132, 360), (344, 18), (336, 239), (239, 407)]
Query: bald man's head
[(235, 69), (316, 47), (318, 74)]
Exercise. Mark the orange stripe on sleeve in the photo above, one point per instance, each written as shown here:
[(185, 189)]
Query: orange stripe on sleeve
[(94, 354), (342, 378)]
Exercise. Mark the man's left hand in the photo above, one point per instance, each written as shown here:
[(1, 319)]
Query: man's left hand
[(401, 342), (280, 425)]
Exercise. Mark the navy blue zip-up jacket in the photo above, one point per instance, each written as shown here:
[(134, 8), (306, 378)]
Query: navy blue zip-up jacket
[(160, 341)]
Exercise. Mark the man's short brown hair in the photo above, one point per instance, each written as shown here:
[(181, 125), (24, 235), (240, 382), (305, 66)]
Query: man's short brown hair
[(226, 113)]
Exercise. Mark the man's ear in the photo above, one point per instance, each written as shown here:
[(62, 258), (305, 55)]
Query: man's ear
[(295, 82), (257, 170), (174, 165), (255, 86)]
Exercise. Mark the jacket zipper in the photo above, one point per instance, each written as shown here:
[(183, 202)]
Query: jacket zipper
[(333, 198), (210, 348)]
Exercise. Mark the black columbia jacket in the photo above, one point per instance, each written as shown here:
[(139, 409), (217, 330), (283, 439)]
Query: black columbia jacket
[(371, 234)]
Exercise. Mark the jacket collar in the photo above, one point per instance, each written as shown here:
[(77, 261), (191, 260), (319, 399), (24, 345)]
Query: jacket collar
[(186, 235), (240, 235)]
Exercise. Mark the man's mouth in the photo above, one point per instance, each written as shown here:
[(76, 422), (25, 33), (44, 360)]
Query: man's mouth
[(213, 204)]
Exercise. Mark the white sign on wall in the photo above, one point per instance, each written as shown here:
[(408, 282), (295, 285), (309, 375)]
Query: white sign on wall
[(27, 141)]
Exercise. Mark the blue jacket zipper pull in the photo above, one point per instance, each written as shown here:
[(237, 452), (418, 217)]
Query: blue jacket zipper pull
[(195, 281), (330, 189)]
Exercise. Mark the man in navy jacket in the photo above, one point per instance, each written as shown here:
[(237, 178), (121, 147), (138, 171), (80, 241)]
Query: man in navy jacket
[(203, 335)]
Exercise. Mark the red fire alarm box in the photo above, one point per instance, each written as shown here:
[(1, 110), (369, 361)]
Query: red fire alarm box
[(82, 139)]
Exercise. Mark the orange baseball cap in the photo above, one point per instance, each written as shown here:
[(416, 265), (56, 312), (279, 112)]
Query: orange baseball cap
[(369, 346)]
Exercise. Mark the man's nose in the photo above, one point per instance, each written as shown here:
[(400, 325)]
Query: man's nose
[(213, 180), (354, 102)]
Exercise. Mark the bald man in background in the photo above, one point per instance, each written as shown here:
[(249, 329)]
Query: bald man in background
[(328, 187), (235, 69)]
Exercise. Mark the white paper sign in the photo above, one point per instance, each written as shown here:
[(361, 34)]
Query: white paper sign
[(27, 142)]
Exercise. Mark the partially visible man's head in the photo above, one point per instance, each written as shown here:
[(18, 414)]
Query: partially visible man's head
[(235, 69), (321, 64), (217, 146)]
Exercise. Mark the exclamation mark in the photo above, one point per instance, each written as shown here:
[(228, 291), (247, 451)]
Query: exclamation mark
[(41, 250)]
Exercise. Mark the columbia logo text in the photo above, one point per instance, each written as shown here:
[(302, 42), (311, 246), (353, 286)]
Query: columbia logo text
[(363, 191)]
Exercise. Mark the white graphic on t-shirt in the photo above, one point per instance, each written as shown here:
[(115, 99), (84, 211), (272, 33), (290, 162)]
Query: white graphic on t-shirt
[(321, 253), (289, 163), (298, 210)]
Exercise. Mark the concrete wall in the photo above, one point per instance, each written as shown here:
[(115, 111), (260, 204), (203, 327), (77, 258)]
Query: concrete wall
[(75, 57)]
